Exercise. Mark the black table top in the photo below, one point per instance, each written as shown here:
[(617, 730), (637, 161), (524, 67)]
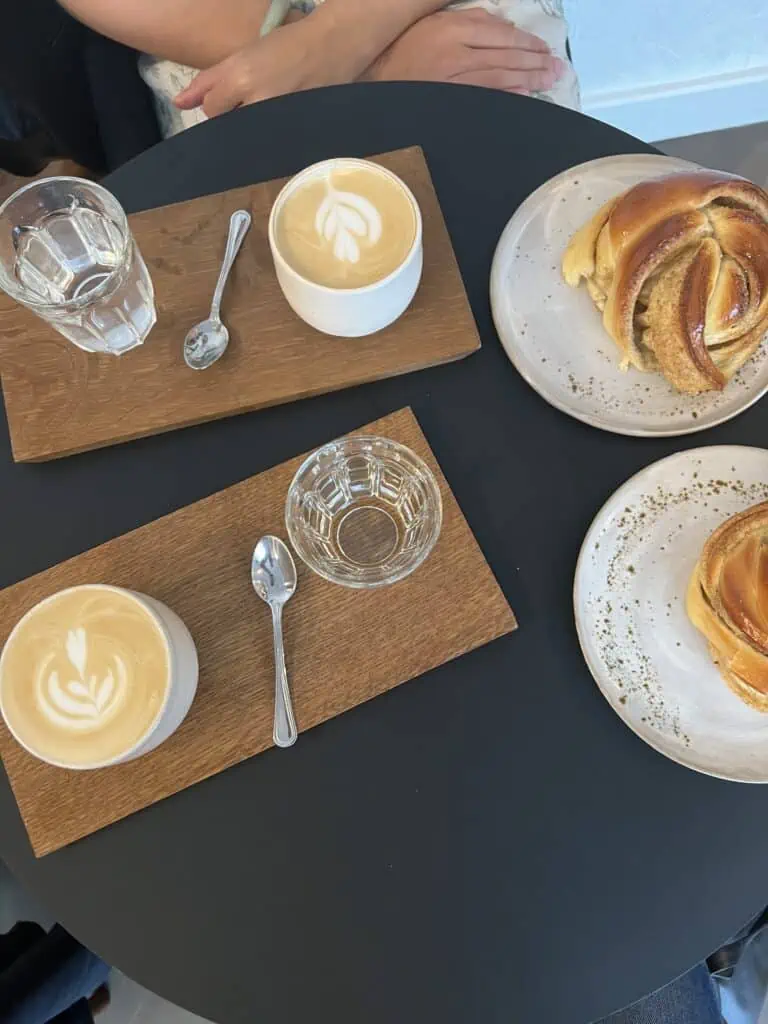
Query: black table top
[(489, 842)]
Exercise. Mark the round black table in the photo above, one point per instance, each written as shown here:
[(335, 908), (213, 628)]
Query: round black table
[(487, 843)]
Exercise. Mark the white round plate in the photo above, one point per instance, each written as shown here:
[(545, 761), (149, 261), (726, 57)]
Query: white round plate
[(554, 334), (652, 665)]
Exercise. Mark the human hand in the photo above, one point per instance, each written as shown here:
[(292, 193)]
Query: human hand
[(471, 47), (291, 58), (334, 44)]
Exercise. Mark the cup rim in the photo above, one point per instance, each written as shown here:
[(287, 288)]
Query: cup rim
[(7, 283), (310, 171), (151, 729), (429, 475)]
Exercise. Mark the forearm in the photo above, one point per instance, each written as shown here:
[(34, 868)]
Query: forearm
[(370, 25), (200, 33), (194, 32)]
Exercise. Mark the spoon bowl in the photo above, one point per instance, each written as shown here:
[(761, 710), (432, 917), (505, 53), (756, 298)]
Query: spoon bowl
[(205, 344), (273, 570)]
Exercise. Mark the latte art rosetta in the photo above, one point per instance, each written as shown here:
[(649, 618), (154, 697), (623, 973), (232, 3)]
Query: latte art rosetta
[(343, 218), (84, 701), (348, 225), (84, 676)]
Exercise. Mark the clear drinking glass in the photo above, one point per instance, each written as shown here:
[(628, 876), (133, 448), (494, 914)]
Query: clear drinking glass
[(364, 511), (67, 253)]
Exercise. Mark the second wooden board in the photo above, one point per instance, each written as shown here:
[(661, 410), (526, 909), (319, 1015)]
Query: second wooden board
[(343, 646)]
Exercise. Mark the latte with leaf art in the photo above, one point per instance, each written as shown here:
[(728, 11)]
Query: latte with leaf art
[(84, 676), (349, 225)]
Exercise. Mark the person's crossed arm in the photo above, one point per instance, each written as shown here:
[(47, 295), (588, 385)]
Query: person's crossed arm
[(341, 41), (334, 44), (469, 47)]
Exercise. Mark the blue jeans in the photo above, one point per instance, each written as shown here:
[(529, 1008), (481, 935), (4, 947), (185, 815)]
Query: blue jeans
[(691, 999), (46, 977)]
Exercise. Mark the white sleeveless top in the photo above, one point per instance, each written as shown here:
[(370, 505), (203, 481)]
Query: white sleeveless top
[(544, 18)]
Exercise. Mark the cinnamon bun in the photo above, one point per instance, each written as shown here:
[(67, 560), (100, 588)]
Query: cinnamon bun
[(728, 602), (679, 268)]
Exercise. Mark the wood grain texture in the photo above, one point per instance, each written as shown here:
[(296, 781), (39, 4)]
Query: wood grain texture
[(60, 400), (343, 646)]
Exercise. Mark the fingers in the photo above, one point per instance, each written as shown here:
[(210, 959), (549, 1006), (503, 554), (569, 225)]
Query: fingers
[(481, 29), (523, 69), (217, 90), (219, 100), (517, 60), (195, 92), (520, 40), (524, 82)]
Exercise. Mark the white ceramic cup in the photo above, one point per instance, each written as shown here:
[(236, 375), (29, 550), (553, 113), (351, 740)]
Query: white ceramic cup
[(348, 312), (182, 687)]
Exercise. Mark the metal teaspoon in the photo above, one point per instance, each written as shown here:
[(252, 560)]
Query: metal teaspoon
[(273, 574), (207, 341)]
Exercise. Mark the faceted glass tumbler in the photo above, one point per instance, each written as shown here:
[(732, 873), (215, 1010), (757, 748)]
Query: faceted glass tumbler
[(67, 253), (364, 512)]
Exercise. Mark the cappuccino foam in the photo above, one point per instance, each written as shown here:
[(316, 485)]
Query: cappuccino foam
[(84, 676), (347, 226)]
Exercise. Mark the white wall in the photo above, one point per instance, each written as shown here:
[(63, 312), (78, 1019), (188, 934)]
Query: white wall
[(662, 68)]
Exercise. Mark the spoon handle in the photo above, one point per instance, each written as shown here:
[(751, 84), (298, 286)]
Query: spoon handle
[(239, 223), (284, 733)]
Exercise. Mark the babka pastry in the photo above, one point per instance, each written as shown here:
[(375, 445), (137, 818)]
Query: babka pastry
[(679, 268), (728, 601)]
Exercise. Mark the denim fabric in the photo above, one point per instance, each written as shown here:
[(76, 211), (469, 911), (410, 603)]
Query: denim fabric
[(49, 975), (692, 999), (744, 992)]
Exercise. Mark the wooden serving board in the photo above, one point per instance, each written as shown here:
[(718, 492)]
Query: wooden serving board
[(60, 400), (342, 646)]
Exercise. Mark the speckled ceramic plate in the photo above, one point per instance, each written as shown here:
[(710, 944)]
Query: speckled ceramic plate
[(651, 664), (554, 334)]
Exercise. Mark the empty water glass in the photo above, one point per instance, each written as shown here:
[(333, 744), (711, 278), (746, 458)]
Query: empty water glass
[(67, 253), (364, 511)]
